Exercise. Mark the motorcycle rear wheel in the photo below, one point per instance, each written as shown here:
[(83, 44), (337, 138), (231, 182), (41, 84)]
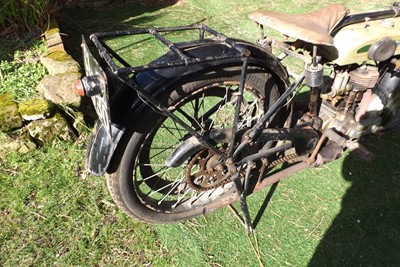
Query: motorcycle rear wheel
[(147, 190)]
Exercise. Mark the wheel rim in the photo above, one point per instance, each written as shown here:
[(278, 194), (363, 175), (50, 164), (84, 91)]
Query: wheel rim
[(167, 190)]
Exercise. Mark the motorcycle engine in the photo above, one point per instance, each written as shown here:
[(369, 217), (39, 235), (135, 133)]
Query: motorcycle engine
[(363, 100)]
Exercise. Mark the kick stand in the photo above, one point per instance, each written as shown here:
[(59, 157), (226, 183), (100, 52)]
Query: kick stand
[(241, 190)]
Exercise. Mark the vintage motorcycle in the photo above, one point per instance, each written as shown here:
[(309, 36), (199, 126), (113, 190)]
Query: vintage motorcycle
[(215, 119)]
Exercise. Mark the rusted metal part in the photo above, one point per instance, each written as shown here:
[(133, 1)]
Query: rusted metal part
[(290, 157), (280, 175), (316, 149), (228, 199), (211, 174)]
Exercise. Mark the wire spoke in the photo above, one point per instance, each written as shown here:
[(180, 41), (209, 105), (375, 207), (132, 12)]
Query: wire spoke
[(179, 130), (173, 186), (162, 171), (166, 188), (192, 119), (180, 198), (162, 150)]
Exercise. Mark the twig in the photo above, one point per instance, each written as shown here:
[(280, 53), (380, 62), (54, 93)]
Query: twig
[(256, 250), (315, 228), (232, 209), (38, 215)]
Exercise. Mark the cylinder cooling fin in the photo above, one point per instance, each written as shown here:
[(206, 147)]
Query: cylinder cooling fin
[(363, 78)]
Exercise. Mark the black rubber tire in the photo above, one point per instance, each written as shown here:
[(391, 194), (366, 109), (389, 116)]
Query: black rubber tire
[(125, 184)]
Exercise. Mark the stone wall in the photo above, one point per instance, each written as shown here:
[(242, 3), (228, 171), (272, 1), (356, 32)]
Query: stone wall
[(51, 114)]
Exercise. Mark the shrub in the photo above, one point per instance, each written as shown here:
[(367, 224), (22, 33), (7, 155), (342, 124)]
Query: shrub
[(18, 16)]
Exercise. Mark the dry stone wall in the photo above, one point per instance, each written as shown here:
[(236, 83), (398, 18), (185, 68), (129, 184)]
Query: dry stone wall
[(39, 120)]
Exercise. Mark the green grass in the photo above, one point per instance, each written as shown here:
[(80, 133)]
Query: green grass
[(20, 68), (342, 214), (51, 216)]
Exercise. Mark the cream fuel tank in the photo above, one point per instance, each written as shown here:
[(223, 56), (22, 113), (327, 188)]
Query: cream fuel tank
[(370, 40)]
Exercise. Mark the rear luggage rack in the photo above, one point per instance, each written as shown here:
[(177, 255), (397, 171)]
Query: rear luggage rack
[(108, 54)]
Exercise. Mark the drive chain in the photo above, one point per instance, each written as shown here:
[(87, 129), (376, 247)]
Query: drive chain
[(288, 158)]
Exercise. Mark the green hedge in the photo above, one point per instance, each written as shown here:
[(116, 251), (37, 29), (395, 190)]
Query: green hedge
[(24, 15)]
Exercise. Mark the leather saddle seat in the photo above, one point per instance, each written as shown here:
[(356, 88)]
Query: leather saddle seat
[(313, 27)]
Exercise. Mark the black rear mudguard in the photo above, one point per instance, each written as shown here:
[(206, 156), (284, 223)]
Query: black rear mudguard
[(125, 104)]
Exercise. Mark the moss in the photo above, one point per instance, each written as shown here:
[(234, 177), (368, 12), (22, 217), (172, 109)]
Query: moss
[(53, 27), (9, 115), (36, 107), (5, 100), (17, 141), (47, 130), (52, 31), (59, 55)]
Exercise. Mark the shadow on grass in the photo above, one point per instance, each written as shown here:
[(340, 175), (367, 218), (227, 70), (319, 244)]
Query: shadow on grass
[(264, 205), (366, 232), (8, 47), (84, 21)]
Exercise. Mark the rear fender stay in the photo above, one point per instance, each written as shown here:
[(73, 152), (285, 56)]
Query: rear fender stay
[(101, 156)]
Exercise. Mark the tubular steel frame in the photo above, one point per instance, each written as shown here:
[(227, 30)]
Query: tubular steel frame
[(243, 54), (107, 53)]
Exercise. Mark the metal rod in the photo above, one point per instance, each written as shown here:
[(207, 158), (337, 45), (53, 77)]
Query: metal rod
[(314, 56), (316, 149), (115, 54), (232, 43), (259, 127), (150, 100), (104, 53), (178, 63), (262, 34), (238, 106), (201, 34), (280, 175), (169, 44), (265, 153), (250, 165), (145, 30), (243, 203)]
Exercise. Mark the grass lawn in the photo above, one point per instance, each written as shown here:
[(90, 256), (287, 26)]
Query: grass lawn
[(345, 213)]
